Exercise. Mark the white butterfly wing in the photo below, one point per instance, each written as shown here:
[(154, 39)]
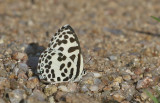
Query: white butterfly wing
[(67, 54)]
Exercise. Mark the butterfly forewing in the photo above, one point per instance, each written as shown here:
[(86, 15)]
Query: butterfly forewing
[(62, 61)]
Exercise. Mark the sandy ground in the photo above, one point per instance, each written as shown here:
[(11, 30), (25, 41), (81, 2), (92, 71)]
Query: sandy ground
[(120, 38)]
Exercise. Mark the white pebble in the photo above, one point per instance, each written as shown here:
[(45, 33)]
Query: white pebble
[(94, 88), (97, 75), (84, 88), (63, 88), (97, 81), (72, 87)]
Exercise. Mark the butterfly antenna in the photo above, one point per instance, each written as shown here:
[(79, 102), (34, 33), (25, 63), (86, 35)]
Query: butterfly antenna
[(88, 61)]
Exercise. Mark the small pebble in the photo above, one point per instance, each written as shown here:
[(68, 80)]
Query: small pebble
[(2, 100), (3, 73), (23, 66), (144, 83), (118, 79), (72, 87), (97, 75), (37, 97), (93, 88), (22, 75), (84, 88), (20, 56), (4, 83), (30, 73), (97, 81), (144, 96), (50, 89), (118, 97), (32, 82), (112, 58), (126, 77), (115, 86), (17, 95), (63, 88)]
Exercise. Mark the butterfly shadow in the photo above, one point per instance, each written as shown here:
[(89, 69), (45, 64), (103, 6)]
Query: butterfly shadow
[(33, 51)]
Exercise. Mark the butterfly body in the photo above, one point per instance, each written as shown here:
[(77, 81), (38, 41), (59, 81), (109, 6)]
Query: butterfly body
[(62, 61)]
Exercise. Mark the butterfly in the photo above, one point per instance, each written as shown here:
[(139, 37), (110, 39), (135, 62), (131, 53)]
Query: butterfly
[(62, 61)]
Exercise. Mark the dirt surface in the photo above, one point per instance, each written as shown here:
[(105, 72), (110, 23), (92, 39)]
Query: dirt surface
[(120, 38)]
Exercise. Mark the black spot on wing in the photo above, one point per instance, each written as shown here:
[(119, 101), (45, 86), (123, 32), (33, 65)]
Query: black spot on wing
[(65, 70), (58, 79), (66, 37), (69, 32), (65, 79), (47, 70), (72, 57), (63, 74), (72, 40), (61, 49), (69, 64), (78, 66), (52, 80), (62, 66), (53, 74), (71, 73), (72, 49), (70, 28), (49, 75), (64, 41)]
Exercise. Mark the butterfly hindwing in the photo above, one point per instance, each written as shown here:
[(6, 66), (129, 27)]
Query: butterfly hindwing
[(62, 61)]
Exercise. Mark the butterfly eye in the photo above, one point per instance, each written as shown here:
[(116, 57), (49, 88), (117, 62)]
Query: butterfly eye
[(83, 73)]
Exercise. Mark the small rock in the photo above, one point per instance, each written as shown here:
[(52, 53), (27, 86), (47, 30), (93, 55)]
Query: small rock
[(97, 75), (79, 98), (2, 101), (63, 88), (14, 83), (93, 88), (144, 83), (107, 88), (30, 73), (118, 97), (60, 96), (4, 83), (37, 97), (97, 81), (112, 58), (84, 88), (126, 77), (15, 71), (51, 99), (72, 87), (32, 82), (88, 79), (23, 67), (3, 73), (118, 79), (138, 71), (115, 86), (105, 80), (144, 96), (22, 75), (129, 90), (20, 56), (50, 89), (17, 95)]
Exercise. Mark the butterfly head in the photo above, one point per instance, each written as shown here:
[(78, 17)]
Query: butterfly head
[(84, 72)]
